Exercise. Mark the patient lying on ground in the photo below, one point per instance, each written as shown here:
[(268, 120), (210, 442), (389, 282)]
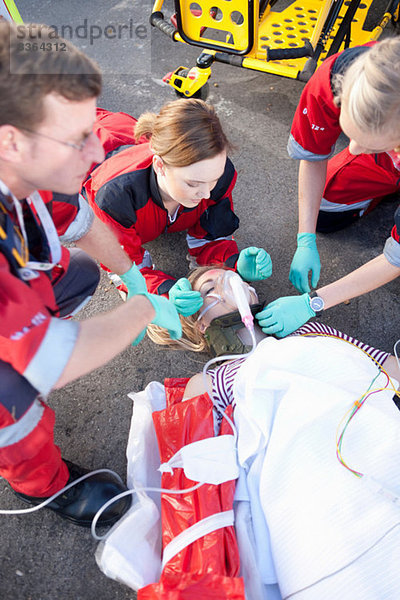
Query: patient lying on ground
[(316, 499), (211, 329)]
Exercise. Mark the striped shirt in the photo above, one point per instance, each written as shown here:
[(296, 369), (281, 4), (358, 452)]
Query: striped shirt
[(223, 377)]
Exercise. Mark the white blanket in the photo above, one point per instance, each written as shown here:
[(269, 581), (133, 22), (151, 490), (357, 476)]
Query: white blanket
[(304, 521), (331, 536)]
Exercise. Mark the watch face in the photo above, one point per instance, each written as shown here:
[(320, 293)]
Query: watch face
[(317, 304)]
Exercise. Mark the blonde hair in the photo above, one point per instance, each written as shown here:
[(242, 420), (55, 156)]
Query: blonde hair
[(370, 88), (192, 338), (184, 132)]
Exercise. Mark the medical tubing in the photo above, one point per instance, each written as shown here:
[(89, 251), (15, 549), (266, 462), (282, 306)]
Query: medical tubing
[(106, 505), (134, 491), (223, 358), (211, 305), (395, 353), (54, 496), (242, 302), (355, 407)]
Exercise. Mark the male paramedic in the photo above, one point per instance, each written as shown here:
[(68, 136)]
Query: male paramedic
[(356, 92), (48, 93)]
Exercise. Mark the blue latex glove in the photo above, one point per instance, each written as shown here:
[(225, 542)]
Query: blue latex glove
[(285, 315), (185, 300), (134, 281), (305, 259), (254, 264), (135, 284), (166, 315)]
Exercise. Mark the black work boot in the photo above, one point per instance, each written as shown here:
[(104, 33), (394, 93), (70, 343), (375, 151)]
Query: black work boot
[(80, 503)]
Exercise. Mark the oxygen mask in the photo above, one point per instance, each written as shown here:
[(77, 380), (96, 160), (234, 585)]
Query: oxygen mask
[(230, 290)]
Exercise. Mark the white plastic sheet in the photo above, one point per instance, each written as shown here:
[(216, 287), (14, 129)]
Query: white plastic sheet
[(131, 553)]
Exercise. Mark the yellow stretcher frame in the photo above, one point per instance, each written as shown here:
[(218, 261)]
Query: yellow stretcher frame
[(291, 43), (9, 10)]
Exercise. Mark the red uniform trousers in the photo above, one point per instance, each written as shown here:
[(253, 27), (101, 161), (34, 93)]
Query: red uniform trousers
[(29, 459), (353, 179)]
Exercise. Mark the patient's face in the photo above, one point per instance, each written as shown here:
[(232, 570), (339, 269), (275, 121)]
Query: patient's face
[(207, 285)]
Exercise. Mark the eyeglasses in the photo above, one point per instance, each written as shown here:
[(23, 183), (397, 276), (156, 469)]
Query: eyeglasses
[(78, 147)]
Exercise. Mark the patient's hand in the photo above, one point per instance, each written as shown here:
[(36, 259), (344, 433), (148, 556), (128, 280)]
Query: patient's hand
[(196, 386)]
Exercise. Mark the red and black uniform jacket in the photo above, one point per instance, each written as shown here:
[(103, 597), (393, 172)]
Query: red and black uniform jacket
[(33, 340), (123, 192), (316, 128)]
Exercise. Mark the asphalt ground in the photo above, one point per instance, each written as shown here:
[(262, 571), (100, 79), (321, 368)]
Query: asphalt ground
[(43, 557)]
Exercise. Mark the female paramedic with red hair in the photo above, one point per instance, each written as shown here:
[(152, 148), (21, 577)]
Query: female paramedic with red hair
[(177, 177)]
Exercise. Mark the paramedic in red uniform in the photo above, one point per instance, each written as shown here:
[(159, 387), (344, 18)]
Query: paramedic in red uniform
[(176, 178), (357, 92), (47, 111)]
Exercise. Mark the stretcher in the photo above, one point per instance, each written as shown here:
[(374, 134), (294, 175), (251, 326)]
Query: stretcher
[(198, 543), (9, 11), (289, 538), (260, 35)]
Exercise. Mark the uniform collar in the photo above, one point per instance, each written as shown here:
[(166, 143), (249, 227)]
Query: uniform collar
[(155, 190), (156, 194), (7, 197)]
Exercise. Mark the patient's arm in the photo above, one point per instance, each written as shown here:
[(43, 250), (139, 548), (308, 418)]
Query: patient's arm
[(196, 386), (391, 367)]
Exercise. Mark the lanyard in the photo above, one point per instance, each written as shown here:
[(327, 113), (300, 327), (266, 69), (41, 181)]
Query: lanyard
[(50, 231)]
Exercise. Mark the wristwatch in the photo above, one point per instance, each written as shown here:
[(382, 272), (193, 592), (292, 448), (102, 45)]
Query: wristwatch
[(316, 303)]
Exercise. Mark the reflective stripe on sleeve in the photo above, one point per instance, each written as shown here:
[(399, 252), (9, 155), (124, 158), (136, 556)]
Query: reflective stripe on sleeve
[(12, 434), (392, 252), (299, 153), (81, 224), (53, 354), (193, 242), (329, 206), (147, 262)]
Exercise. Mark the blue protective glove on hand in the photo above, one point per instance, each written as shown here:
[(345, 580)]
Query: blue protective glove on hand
[(254, 264), (135, 284), (285, 315), (185, 300), (305, 259), (134, 281), (166, 315)]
